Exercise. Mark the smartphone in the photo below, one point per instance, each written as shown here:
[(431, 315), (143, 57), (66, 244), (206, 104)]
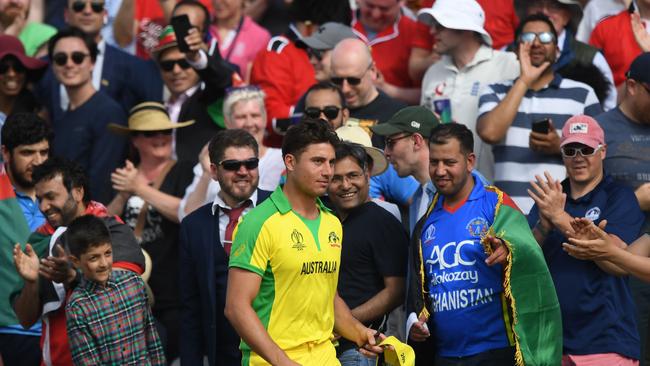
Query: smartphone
[(542, 126), (181, 25)]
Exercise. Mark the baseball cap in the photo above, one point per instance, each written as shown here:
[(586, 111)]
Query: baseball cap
[(327, 36), (457, 14), (640, 68), (584, 130), (414, 119)]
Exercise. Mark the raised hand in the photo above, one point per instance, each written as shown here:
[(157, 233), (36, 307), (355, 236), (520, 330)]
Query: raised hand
[(127, 179), (546, 143), (26, 263), (548, 196), (641, 36), (600, 247), (195, 42), (499, 251), (419, 331), (583, 229), (529, 73), (57, 268)]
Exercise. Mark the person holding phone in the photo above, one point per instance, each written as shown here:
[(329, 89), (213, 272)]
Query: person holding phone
[(508, 109)]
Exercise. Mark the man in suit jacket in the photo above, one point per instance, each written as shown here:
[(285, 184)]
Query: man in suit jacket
[(205, 241), (124, 77)]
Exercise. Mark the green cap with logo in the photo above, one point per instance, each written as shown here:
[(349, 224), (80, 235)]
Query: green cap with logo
[(414, 119)]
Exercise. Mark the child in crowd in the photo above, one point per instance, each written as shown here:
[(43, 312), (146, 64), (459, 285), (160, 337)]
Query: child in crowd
[(108, 318)]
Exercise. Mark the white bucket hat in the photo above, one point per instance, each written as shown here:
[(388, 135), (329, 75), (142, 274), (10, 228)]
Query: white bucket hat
[(457, 14)]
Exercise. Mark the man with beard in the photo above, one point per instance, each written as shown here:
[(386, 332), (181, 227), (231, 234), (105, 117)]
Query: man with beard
[(13, 16), (205, 241), (62, 188), (508, 112), (25, 145)]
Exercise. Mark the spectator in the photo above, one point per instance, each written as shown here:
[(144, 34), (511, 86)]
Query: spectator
[(467, 63), (104, 298), (149, 191), (13, 16), (80, 134), (270, 14), (588, 192), (373, 263), (123, 77), (243, 109), (355, 72), (62, 188), (239, 38), (493, 302), (577, 61), (295, 331), (507, 111), (204, 329), (594, 12), (320, 44), (25, 145), (16, 72), (615, 37), (396, 41), (195, 82), (283, 70)]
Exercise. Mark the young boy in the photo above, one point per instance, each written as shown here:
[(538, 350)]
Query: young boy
[(109, 321)]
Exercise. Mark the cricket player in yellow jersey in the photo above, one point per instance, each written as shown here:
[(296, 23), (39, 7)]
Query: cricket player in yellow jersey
[(284, 265)]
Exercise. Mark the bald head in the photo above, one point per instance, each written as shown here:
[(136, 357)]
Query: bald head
[(354, 71)]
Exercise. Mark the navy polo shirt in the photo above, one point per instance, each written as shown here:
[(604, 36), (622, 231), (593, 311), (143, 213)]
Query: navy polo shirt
[(597, 308)]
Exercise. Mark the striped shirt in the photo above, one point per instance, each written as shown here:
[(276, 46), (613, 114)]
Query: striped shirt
[(515, 163), (113, 324)]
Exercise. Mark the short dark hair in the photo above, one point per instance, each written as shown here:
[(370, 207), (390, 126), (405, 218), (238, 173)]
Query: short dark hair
[(326, 85), (354, 151), (538, 17), (25, 129), (73, 32), (320, 12), (207, 20), (309, 131), (85, 232), (442, 133), (230, 138), (72, 174)]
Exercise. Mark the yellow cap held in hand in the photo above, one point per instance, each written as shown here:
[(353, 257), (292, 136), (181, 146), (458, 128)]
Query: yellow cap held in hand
[(400, 354)]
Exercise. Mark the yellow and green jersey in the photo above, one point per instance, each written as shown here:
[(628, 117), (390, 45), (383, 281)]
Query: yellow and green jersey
[(298, 260)]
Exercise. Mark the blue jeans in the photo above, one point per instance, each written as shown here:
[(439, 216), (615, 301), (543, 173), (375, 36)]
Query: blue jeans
[(352, 357)]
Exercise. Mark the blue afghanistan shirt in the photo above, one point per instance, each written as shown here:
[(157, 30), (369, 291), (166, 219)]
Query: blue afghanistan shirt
[(466, 294), (597, 308)]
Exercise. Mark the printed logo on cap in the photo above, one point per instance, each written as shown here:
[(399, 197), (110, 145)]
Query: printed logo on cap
[(579, 128), (415, 124)]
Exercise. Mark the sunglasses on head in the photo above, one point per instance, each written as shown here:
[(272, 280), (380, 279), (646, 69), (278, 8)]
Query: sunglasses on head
[(152, 133), (235, 165), (571, 151), (15, 65), (168, 65), (61, 58), (544, 37), (79, 6), (329, 111)]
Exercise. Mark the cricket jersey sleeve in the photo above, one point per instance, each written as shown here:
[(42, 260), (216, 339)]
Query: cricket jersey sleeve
[(252, 243)]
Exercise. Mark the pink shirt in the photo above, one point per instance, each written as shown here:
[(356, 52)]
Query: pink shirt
[(241, 47)]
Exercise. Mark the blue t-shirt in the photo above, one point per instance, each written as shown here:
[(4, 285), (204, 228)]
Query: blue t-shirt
[(466, 294), (597, 308), (31, 211), (392, 188)]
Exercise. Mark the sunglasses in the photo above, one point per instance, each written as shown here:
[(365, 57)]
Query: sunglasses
[(351, 80), (79, 6), (168, 65), (15, 65), (544, 37), (329, 111), (569, 152), (390, 141), (150, 134), (235, 165), (61, 58), (315, 53)]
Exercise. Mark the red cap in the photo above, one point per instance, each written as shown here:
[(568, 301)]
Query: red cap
[(583, 130), (11, 46)]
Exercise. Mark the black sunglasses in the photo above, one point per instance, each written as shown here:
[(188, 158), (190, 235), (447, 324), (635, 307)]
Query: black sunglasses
[(315, 53), (15, 65), (152, 133), (354, 81), (168, 65), (61, 58), (79, 6), (329, 111), (234, 165)]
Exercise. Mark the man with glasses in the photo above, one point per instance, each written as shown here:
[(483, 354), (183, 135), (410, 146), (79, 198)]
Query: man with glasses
[(81, 133), (205, 242), (354, 71), (123, 77), (598, 313), (520, 117), (320, 45)]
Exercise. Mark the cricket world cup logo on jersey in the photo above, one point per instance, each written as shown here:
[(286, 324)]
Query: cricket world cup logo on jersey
[(429, 235), (297, 240)]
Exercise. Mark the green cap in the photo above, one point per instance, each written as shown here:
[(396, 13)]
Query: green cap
[(415, 119)]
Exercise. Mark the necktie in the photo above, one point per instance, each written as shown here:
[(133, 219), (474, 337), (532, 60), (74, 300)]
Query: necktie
[(233, 218)]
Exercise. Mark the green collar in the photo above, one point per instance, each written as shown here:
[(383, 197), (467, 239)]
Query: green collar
[(282, 203)]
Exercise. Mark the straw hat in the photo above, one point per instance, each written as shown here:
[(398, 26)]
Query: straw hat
[(358, 135), (148, 116)]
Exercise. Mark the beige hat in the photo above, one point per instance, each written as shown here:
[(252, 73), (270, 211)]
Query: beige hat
[(148, 116), (358, 135)]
